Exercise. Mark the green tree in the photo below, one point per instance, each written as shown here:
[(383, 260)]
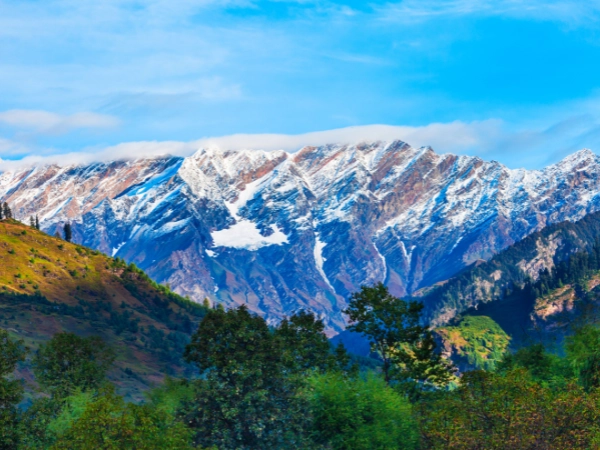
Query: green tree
[(37, 222), (69, 362), (11, 391), (303, 343), (68, 232), (360, 413), (583, 353), (305, 346), (543, 366), (393, 326), (35, 420), (246, 398), (105, 421)]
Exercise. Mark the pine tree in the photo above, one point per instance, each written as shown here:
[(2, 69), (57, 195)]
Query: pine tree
[(37, 222), (31, 222), (67, 230), (7, 211), (1, 213)]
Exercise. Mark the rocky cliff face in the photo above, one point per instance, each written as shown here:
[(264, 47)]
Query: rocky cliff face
[(279, 231)]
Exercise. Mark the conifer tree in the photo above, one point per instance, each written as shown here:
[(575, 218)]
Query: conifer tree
[(37, 222), (31, 222), (7, 211), (67, 231)]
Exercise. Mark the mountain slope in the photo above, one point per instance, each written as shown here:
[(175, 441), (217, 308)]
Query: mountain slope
[(279, 231), (497, 278), (48, 285)]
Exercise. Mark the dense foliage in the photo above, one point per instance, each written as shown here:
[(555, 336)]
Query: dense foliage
[(11, 353), (69, 362), (406, 347), (285, 387), (361, 413)]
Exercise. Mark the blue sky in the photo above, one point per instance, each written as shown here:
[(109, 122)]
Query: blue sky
[(516, 81)]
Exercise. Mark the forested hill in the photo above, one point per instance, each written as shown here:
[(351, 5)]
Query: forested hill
[(492, 280), (48, 285)]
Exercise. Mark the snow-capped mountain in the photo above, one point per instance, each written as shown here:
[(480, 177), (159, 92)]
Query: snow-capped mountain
[(281, 231)]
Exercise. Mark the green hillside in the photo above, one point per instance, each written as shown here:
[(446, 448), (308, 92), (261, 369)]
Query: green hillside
[(48, 285), (475, 341)]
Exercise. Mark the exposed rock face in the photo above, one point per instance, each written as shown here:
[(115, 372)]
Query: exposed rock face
[(280, 231)]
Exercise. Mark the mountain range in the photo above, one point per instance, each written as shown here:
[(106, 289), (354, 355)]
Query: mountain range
[(282, 231)]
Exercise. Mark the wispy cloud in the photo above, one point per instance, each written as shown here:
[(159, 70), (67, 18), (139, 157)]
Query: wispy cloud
[(52, 123), (572, 12), (11, 148)]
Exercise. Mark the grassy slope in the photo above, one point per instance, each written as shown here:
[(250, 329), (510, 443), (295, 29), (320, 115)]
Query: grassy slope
[(48, 285), (478, 339)]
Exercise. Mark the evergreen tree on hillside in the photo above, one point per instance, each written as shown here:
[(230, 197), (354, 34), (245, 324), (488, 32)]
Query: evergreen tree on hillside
[(31, 222), (7, 211), (68, 232), (37, 222)]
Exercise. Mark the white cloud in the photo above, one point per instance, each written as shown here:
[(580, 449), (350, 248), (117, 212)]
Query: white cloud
[(52, 123), (448, 137), (128, 150), (532, 145)]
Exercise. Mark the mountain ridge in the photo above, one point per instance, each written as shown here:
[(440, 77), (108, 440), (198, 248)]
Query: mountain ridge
[(282, 231)]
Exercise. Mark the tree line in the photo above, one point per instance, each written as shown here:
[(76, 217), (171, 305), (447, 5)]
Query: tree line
[(34, 221), (263, 387)]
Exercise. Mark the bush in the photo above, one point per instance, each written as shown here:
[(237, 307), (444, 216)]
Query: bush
[(105, 421), (360, 413), (511, 410)]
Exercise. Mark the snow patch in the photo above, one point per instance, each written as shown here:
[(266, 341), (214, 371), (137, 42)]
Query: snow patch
[(245, 234), (117, 248), (320, 260), (169, 227), (383, 262), (210, 253)]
